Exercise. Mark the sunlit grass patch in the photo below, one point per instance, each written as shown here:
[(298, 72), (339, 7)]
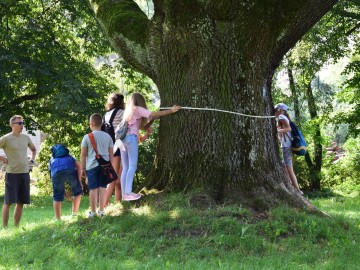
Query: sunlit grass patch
[(166, 232)]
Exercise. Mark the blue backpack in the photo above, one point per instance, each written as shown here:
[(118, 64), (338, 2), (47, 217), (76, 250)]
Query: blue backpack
[(59, 150), (298, 143)]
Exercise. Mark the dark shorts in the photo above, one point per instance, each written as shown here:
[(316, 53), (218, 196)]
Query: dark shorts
[(17, 188), (94, 178), (117, 153), (58, 182)]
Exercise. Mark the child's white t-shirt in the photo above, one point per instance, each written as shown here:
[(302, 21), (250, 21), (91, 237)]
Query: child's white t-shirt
[(285, 137)]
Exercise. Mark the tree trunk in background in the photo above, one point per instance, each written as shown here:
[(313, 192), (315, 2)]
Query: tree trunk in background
[(314, 167), (294, 95), (215, 54)]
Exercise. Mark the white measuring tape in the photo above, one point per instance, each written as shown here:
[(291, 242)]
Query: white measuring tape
[(207, 109)]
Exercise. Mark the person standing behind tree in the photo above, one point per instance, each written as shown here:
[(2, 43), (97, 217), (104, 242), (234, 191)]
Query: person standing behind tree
[(91, 167), (137, 116), (17, 178), (114, 105), (284, 134)]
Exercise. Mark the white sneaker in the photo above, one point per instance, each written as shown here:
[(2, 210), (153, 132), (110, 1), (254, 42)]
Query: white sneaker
[(131, 196), (101, 213), (91, 214)]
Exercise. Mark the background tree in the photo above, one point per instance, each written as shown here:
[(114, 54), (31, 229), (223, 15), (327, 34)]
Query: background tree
[(327, 42), (217, 54), (46, 73)]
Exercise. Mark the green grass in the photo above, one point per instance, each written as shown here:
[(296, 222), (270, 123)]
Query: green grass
[(164, 232)]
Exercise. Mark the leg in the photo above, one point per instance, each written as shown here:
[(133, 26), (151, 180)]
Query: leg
[(18, 213), (109, 191), (118, 187), (76, 204), (101, 199), (93, 197), (133, 154), (94, 177), (58, 185), (125, 168), (76, 192), (110, 188), (287, 156), (5, 214), (57, 209), (292, 176)]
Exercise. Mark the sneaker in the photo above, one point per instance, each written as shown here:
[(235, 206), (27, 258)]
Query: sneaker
[(101, 213), (131, 197), (91, 214)]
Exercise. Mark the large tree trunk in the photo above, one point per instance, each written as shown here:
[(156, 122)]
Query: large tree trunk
[(215, 54)]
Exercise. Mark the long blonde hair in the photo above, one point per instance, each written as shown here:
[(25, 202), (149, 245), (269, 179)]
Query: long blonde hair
[(136, 100)]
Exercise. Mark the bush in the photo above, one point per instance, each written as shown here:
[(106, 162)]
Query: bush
[(347, 170)]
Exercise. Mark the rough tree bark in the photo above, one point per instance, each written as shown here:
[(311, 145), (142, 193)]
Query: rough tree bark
[(216, 54)]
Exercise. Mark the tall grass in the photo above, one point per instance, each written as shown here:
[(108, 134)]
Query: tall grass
[(165, 232)]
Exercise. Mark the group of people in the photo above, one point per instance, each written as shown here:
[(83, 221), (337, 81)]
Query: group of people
[(65, 168), (138, 117)]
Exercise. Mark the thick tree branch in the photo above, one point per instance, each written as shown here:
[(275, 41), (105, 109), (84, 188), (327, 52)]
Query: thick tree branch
[(19, 100), (306, 18), (127, 27)]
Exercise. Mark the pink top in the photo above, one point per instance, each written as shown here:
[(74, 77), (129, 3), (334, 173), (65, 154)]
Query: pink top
[(135, 120)]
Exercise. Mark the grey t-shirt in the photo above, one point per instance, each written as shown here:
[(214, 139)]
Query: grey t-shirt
[(103, 143)]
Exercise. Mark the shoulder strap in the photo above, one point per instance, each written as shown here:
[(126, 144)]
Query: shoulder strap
[(113, 116), (93, 142)]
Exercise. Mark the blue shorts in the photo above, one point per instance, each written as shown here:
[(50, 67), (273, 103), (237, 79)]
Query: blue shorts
[(58, 183), (94, 178), (287, 156)]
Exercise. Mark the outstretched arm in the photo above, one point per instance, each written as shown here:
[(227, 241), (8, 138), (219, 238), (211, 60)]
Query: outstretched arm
[(158, 114)]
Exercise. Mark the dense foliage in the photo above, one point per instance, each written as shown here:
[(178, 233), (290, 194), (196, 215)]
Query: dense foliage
[(326, 111), (46, 71)]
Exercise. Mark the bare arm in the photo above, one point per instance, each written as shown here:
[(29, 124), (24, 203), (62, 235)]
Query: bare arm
[(4, 159), (146, 135), (78, 169), (148, 124), (83, 155), (33, 152), (158, 114), (284, 126)]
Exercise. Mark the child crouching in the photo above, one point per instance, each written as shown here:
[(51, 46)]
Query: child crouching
[(64, 168)]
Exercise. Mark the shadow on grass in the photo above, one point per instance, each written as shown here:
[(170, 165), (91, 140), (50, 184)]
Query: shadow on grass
[(322, 194)]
